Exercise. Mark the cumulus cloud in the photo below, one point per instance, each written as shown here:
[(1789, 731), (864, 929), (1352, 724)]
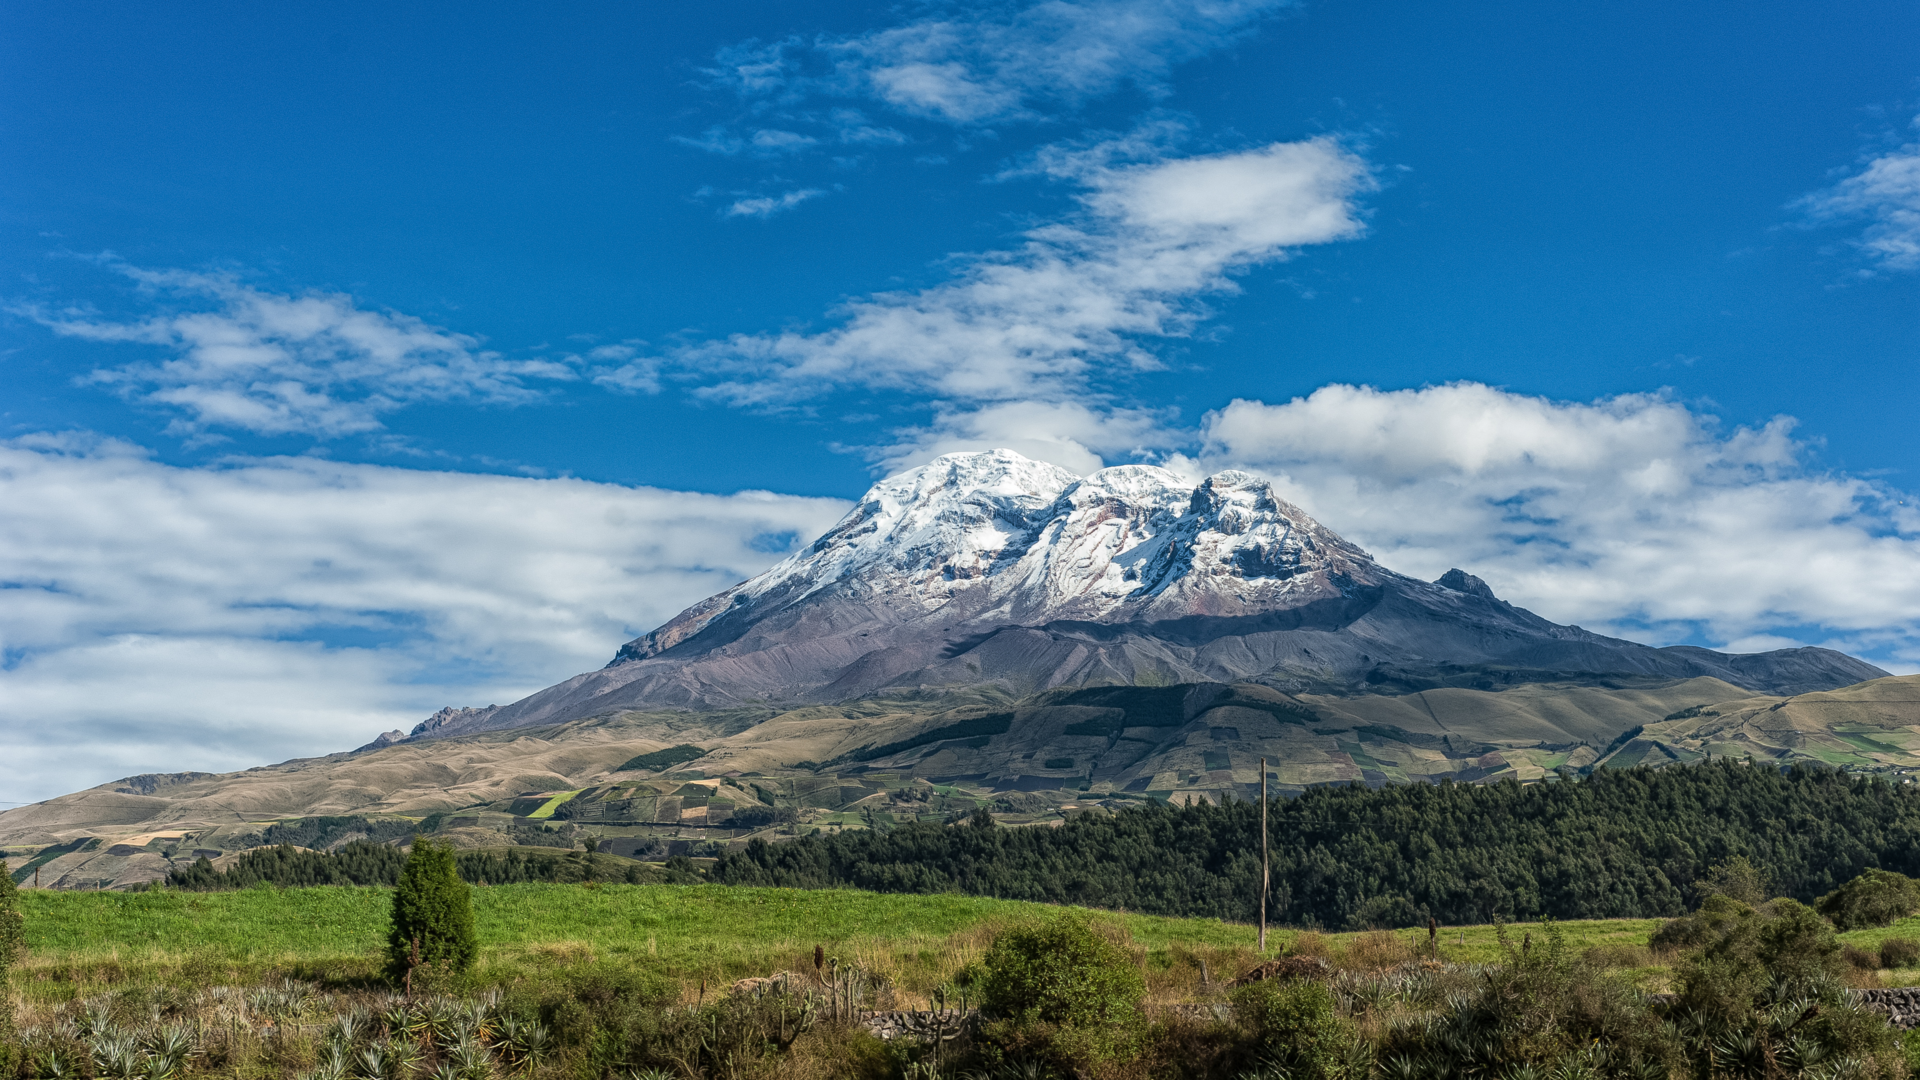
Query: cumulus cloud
[(314, 364), (766, 206), (1079, 298), (1631, 513), (1884, 193), (982, 64), (214, 618)]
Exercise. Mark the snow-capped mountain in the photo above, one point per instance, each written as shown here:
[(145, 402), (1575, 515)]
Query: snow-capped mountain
[(992, 568), (997, 538)]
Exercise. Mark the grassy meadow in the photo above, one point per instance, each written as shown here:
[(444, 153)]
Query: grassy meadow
[(685, 934)]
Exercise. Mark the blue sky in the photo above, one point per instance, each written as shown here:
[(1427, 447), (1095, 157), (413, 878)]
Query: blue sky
[(1613, 304)]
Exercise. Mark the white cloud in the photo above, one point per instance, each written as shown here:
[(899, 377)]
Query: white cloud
[(315, 364), (978, 64), (772, 140), (1632, 513), (162, 618), (1073, 435), (852, 127), (1885, 193), (1074, 302), (767, 206)]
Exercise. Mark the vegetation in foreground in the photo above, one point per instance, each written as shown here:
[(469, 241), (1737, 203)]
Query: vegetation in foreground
[(446, 981), (1759, 993)]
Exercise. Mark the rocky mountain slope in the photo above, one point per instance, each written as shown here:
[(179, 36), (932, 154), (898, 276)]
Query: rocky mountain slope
[(990, 569)]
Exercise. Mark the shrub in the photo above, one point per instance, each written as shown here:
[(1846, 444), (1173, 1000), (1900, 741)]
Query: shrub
[(1899, 952), (432, 914), (1745, 959), (1856, 957), (1735, 879), (1542, 1011), (1069, 996), (1295, 1025), (1062, 972), (1376, 950), (1875, 898)]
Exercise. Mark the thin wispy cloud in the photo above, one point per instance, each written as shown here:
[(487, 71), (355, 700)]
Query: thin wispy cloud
[(765, 206), (1078, 304), (982, 64), (317, 364), (1884, 193), (166, 618)]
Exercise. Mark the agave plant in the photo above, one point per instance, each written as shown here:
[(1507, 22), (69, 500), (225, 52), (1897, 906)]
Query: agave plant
[(403, 1056), (1802, 1055), (441, 1015), (399, 1020), (373, 1063), (175, 1042), (96, 1015), (115, 1054), (536, 1042), (1740, 1053), (1372, 995), (349, 1028), (336, 1063), (1401, 1067), (53, 1066), (1839, 1069), (470, 1059)]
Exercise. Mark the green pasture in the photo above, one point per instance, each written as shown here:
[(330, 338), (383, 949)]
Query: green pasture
[(687, 934)]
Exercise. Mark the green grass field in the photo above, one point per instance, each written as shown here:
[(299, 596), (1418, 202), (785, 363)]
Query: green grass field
[(688, 934)]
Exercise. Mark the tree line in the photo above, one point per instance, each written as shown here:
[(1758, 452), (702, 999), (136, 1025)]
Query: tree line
[(1617, 844), (362, 862)]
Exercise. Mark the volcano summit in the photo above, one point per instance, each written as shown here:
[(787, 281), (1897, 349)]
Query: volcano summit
[(992, 570)]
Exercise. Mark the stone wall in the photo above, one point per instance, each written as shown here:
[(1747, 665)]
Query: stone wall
[(1900, 1005), (922, 1025)]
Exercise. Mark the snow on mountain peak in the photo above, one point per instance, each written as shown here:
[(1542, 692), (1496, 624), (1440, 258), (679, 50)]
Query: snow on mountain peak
[(996, 538)]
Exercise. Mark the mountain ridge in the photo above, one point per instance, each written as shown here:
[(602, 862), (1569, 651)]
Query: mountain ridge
[(990, 568)]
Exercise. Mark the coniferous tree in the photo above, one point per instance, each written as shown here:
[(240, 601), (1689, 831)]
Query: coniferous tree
[(432, 914)]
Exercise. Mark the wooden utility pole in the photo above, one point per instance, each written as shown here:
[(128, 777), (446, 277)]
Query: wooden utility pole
[(1263, 857)]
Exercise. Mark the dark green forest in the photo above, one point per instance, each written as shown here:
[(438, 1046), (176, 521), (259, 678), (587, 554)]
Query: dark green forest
[(361, 862), (1617, 844)]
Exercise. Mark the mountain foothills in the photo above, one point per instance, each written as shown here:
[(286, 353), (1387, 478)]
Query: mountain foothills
[(992, 631)]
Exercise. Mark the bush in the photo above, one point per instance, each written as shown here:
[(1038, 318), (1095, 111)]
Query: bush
[(1899, 952), (1875, 898), (1863, 959), (1744, 960), (1542, 1011), (1296, 1026), (432, 914), (1062, 972), (1735, 879)]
